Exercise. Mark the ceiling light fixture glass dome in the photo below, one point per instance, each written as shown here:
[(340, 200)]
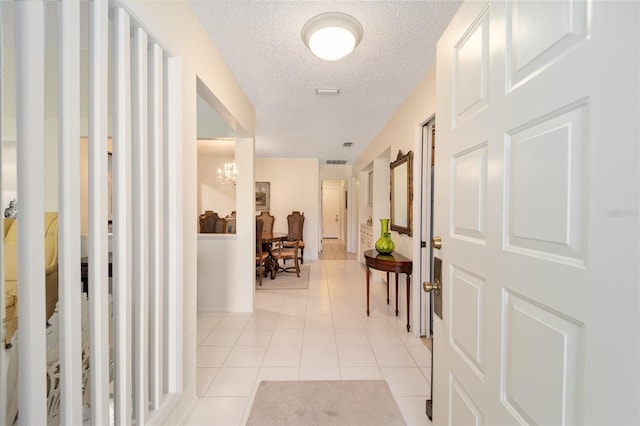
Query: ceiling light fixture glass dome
[(332, 35)]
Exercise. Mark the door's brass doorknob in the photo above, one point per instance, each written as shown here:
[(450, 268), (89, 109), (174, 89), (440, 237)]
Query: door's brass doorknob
[(434, 287), (436, 242)]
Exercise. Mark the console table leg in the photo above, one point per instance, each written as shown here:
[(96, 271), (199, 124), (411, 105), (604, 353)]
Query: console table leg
[(396, 294), (367, 291), (408, 296), (395, 263), (387, 288)]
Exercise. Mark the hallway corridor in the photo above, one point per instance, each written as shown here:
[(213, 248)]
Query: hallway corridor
[(334, 249), (321, 333)]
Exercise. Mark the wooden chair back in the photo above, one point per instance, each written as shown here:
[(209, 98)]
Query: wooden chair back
[(261, 256), (268, 220), (259, 228), (211, 223), (295, 221)]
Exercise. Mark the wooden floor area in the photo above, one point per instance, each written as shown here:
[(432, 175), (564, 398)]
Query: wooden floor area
[(334, 249)]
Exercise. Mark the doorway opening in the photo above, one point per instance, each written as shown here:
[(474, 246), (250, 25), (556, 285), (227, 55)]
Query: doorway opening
[(334, 220)]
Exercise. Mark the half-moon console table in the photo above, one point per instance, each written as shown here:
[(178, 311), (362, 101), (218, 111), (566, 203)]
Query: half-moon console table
[(393, 262)]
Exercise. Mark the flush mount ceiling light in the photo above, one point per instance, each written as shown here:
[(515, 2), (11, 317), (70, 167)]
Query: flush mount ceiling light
[(332, 35)]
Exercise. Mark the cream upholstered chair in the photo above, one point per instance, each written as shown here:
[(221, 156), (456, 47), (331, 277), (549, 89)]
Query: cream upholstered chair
[(11, 270)]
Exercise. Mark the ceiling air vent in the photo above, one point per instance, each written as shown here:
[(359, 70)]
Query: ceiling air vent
[(347, 144), (324, 92), (336, 161)]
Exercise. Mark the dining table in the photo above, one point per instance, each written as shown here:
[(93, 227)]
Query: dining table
[(271, 263)]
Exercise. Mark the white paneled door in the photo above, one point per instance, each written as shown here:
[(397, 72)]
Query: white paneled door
[(330, 211), (536, 201)]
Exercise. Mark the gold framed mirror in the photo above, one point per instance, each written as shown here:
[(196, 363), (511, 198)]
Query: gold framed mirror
[(402, 193)]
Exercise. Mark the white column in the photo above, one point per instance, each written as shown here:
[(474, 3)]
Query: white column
[(156, 241), (245, 224), (69, 212), (29, 38), (139, 225), (98, 211), (122, 283), (173, 301)]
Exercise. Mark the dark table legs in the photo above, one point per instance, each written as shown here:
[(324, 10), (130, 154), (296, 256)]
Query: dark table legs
[(368, 273), (396, 294), (408, 297), (388, 288), (368, 291)]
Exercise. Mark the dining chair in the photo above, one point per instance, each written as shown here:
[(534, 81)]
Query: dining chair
[(295, 221), (288, 251), (268, 221), (210, 223), (231, 223), (261, 256)]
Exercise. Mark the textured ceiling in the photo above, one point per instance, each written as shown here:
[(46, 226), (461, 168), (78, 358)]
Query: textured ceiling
[(261, 43)]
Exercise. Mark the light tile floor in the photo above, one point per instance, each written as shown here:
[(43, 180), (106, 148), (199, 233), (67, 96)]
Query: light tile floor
[(334, 249), (321, 333)]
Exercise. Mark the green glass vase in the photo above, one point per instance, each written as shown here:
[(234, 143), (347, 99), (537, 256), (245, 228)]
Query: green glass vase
[(385, 245)]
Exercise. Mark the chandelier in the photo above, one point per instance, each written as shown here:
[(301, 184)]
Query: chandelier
[(228, 175)]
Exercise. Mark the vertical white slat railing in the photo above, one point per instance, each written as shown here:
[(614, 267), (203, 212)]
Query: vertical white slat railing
[(140, 215), (122, 284), (156, 241), (30, 91), (69, 212), (98, 208), (153, 332), (173, 300)]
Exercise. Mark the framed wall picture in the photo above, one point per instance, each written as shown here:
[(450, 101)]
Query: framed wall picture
[(263, 195)]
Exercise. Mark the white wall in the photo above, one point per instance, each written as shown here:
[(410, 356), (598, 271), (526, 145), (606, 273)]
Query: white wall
[(295, 185), (381, 208), (213, 195), (222, 287), (215, 284), (402, 132), (335, 171)]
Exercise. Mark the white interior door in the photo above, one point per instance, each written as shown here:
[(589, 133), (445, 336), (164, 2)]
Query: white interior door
[(330, 211), (537, 191)]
